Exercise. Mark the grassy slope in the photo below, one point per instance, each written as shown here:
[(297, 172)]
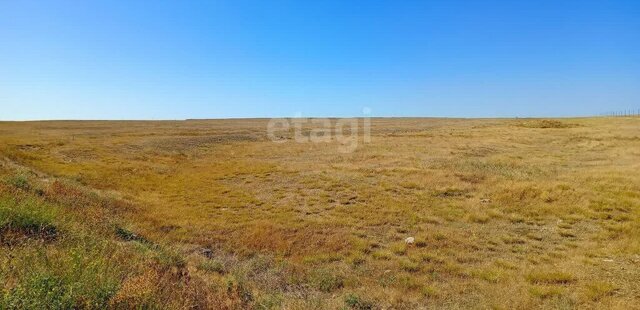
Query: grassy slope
[(65, 246), (505, 212)]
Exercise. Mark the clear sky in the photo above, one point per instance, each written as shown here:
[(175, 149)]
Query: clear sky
[(217, 59)]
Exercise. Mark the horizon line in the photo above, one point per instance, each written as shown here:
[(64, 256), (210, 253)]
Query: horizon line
[(310, 117)]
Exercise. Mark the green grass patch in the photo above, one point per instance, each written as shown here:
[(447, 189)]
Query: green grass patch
[(26, 219)]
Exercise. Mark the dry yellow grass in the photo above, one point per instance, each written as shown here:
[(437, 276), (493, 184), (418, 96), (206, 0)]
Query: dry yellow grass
[(505, 213)]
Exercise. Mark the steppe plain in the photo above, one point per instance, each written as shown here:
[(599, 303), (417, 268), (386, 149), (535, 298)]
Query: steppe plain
[(504, 213)]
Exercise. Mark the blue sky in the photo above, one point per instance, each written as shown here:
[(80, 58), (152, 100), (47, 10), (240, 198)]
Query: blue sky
[(219, 59)]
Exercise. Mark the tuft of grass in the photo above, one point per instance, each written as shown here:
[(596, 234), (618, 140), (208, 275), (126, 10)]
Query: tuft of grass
[(168, 257), (407, 282), (431, 258), (550, 277), (567, 234), (212, 265), (489, 275), (505, 264), (430, 291), (19, 182), (450, 192), (545, 292), (598, 290), (399, 248), (326, 281), (420, 242), (356, 302), (357, 259), (128, 235), (409, 266), (382, 255), (479, 218)]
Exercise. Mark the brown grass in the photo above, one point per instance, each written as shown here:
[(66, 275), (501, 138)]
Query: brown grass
[(210, 214)]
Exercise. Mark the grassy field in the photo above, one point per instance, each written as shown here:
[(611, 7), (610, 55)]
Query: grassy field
[(505, 213)]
